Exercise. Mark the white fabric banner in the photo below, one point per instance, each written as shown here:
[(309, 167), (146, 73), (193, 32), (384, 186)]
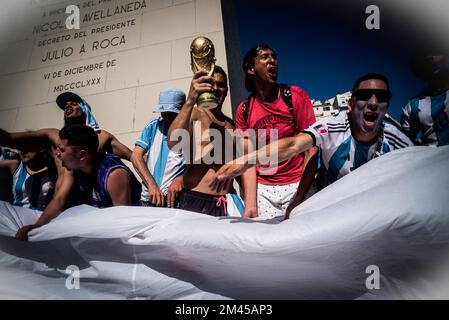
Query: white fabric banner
[(380, 232)]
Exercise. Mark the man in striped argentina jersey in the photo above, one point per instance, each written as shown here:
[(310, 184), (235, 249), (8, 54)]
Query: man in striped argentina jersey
[(162, 174), (5, 174), (346, 141), (34, 178), (7, 154), (4, 154), (428, 112)]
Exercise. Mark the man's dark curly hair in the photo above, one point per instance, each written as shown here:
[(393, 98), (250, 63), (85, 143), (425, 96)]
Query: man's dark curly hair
[(248, 62), (80, 136)]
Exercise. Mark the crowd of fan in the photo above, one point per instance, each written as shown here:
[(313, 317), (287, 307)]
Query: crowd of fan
[(50, 170)]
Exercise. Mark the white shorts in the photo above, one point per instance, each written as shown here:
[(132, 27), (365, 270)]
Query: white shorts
[(234, 204), (272, 201)]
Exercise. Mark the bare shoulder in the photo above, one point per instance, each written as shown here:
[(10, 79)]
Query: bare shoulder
[(118, 174), (118, 179)]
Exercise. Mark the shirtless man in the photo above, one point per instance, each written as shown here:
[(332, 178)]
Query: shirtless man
[(204, 157)]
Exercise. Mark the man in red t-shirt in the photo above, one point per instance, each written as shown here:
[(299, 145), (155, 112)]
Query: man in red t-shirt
[(267, 112)]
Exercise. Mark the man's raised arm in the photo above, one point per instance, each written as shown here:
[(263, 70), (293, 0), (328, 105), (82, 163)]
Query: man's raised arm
[(120, 149), (109, 143), (201, 82), (29, 140)]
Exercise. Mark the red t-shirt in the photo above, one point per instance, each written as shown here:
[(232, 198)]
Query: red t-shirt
[(264, 117)]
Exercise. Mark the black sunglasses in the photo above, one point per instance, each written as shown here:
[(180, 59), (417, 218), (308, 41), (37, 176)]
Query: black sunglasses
[(366, 94)]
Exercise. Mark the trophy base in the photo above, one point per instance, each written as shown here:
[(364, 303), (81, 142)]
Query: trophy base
[(207, 100), (209, 105)]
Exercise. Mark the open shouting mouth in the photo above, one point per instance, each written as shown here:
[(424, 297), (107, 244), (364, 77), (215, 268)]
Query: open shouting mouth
[(273, 71), (68, 111), (370, 118)]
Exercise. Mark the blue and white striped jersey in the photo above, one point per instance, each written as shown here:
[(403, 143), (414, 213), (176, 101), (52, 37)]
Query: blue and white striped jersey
[(341, 153), (5, 154), (430, 116), (31, 191), (163, 164)]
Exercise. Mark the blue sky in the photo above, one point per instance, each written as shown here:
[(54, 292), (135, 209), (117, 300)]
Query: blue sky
[(323, 46)]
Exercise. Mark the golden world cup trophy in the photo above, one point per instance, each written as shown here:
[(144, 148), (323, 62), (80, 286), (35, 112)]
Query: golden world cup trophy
[(202, 54)]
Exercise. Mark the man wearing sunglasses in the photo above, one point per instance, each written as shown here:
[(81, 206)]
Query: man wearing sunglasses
[(346, 141)]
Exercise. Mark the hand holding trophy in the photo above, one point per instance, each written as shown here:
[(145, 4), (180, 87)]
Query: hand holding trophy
[(202, 54)]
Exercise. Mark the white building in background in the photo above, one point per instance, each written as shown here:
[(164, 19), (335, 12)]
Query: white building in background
[(322, 110), (331, 106), (341, 101), (124, 54)]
